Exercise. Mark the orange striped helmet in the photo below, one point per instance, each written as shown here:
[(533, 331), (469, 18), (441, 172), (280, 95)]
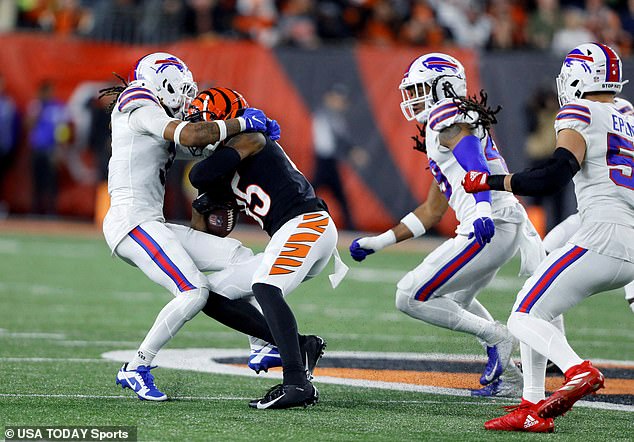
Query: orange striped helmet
[(217, 103)]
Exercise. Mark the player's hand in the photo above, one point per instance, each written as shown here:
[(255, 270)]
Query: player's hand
[(483, 230), (360, 248), (272, 129), (474, 182), (255, 120)]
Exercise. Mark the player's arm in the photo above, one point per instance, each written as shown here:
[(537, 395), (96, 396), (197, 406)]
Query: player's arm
[(225, 160), (467, 150), (412, 225), (545, 180), (204, 133)]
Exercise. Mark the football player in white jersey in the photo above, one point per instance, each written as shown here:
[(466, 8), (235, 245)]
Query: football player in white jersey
[(146, 119), (595, 148), (561, 233), (492, 228)]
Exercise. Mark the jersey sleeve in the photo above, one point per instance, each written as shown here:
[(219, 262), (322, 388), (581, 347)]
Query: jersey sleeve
[(575, 115), (446, 113), (149, 120)]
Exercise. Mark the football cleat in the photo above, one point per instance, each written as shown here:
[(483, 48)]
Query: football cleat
[(501, 387), (287, 396), (581, 379), (522, 417), (499, 358), (264, 358), (312, 350), (141, 382)]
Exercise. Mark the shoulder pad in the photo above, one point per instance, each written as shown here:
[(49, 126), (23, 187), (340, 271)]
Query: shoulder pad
[(575, 111), (135, 97), (446, 113)]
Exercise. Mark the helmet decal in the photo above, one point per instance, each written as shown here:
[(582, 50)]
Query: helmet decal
[(613, 70), (440, 64), (170, 61)]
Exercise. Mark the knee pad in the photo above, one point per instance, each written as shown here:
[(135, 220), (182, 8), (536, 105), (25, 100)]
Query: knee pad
[(193, 301)]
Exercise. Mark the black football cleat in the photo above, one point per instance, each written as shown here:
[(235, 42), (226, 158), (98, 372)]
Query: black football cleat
[(287, 396), (312, 350)]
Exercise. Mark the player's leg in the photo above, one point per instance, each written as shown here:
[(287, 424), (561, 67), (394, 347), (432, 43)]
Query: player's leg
[(297, 247), (154, 249), (210, 253), (565, 278), (440, 291)]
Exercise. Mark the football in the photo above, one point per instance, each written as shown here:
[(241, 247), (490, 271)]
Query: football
[(221, 220)]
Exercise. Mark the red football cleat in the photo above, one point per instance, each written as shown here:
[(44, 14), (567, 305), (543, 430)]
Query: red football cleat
[(522, 417), (581, 379)]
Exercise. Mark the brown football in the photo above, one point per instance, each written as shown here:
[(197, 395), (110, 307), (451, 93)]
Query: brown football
[(222, 220)]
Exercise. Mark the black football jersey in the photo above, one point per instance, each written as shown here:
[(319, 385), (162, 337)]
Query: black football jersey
[(272, 190)]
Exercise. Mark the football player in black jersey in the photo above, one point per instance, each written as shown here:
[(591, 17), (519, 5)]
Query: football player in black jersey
[(271, 190)]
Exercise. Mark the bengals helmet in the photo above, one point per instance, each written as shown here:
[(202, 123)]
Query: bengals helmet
[(217, 103)]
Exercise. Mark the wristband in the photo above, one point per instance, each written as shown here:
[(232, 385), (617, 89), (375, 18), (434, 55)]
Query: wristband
[(243, 123), (222, 128), (496, 182), (177, 132), (414, 224), (383, 240), (483, 209)]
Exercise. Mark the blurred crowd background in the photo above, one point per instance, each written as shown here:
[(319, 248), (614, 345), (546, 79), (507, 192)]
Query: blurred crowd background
[(328, 68), (480, 24)]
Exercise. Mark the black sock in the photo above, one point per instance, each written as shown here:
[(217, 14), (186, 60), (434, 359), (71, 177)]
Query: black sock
[(283, 326), (240, 315)]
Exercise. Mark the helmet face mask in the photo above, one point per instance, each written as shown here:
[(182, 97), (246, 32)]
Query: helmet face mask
[(170, 80), (590, 67), (429, 79)]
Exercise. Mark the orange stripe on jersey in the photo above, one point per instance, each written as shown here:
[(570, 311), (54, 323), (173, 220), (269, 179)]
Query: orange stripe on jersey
[(303, 237), (311, 216), (280, 271), (296, 250), (318, 225), (287, 262)]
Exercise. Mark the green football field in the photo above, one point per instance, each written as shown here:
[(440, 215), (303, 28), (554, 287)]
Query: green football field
[(64, 302)]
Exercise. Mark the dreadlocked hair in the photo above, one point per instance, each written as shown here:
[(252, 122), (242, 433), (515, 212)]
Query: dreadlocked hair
[(486, 115), (419, 139), (113, 91)]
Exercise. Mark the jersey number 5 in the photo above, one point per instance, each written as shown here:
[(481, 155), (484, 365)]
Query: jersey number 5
[(620, 160), (255, 200)]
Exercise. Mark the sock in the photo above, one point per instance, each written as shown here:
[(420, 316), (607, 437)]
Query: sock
[(478, 309), (240, 315), (283, 326), (534, 374), (545, 338), (629, 294), (171, 318)]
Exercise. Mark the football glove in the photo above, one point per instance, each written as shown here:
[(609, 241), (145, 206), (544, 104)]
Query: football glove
[(272, 129), (474, 182), (483, 230), (358, 252), (362, 247), (255, 120)]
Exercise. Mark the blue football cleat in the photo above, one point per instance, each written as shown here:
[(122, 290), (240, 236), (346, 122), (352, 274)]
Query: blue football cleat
[(499, 388), (141, 382), (499, 357), (264, 358)]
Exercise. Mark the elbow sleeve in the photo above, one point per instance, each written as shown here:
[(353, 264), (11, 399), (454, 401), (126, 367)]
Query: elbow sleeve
[(208, 172), (548, 179)]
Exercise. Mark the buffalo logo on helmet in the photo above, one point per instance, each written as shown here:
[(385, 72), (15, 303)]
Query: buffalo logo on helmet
[(576, 56), (439, 64), (170, 61)]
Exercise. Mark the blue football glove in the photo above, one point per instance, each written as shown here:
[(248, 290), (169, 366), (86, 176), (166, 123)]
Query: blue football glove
[(255, 120), (272, 129), (357, 252), (483, 230)]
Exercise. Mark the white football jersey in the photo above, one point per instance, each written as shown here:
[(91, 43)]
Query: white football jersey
[(449, 173), (605, 184), (139, 163)]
